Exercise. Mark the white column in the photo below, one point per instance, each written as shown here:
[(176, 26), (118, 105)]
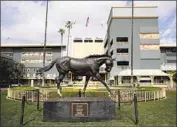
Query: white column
[(119, 80), (152, 80), (32, 83), (83, 78), (171, 81)]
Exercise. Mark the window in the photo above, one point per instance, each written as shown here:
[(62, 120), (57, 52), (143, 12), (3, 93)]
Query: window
[(171, 54), (174, 50), (8, 54), (149, 36), (49, 54), (122, 39), (112, 53), (98, 41), (28, 69), (171, 61), (78, 41), (122, 63), (122, 50), (144, 76), (170, 50), (145, 81), (88, 41)]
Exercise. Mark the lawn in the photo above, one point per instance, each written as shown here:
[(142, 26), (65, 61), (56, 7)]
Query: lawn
[(154, 113)]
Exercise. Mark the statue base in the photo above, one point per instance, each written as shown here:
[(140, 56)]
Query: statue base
[(78, 109)]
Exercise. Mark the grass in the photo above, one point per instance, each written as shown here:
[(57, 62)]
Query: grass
[(154, 113)]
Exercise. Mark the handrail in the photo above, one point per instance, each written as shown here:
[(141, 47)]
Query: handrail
[(126, 95)]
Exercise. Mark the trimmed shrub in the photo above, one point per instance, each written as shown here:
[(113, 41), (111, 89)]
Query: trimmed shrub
[(74, 93), (148, 88), (23, 88)]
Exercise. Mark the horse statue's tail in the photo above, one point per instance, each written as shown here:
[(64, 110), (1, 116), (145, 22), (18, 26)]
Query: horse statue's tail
[(46, 68)]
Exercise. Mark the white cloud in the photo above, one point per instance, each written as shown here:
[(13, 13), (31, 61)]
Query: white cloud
[(168, 34), (30, 23), (164, 7)]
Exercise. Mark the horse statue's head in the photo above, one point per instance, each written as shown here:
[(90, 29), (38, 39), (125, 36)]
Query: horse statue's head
[(103, 59), (109, 64)]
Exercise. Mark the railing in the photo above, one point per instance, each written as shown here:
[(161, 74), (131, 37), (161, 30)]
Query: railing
[(125, 95), (30, 95), (142, 95)]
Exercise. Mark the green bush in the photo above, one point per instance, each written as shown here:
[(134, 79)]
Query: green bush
[(74, 93), (148, 88)]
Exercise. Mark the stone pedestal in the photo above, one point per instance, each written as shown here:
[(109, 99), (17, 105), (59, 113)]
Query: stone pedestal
[(79, 109)]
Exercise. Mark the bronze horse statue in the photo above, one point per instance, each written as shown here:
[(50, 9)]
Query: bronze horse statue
[(87, 66)]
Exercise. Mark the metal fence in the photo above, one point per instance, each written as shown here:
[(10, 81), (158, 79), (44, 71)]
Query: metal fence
[(142, 95), (125, 95)]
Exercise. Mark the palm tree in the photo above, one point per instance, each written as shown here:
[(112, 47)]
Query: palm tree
[(62, 32), (68, 25)]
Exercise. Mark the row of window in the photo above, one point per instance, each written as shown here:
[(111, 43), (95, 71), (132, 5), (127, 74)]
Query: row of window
[(8, 54), (124, 40), (88, 41), (34, 61), (171, 61), (124, 51), (34, 75), (31, 69), (170, 50), (35, 54)]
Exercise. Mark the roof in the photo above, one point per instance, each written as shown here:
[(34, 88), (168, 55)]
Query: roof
[(168, 45), (31, 45), (168, 67), (143, 72), (134, 7)]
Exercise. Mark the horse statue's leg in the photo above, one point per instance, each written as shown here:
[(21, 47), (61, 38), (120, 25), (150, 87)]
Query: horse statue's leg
[(102, 81), (58, 81), (85, 85)]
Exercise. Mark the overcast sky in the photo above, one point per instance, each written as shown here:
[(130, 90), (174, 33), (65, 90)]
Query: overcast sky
[(24, 22)]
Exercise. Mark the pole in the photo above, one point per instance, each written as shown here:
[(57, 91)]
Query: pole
[(79, 93), (136, 108), (119, 99), (108, 31), (22, 109), (132, 44), (38, 94), (68, 39), (45, 39)]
